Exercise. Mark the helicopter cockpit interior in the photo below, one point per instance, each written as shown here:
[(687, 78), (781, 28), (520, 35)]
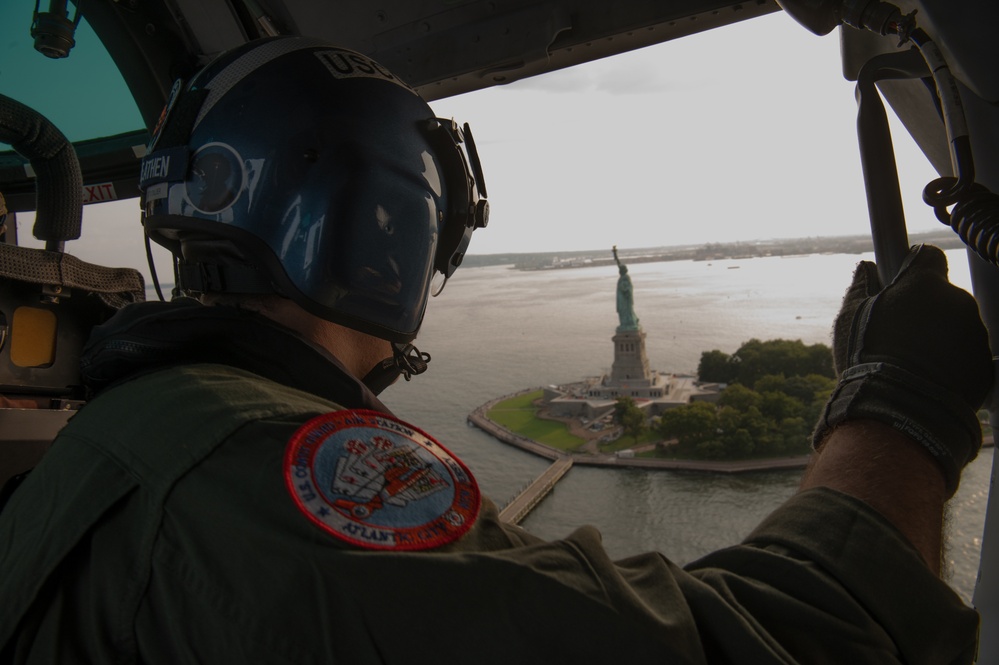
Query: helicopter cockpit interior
[(83, 83)]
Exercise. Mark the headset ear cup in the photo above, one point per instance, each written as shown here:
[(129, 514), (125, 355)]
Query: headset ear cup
[(467, 209), (473, 160)]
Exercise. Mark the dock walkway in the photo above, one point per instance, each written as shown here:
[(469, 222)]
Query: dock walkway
[(532, 495), (518, 507)]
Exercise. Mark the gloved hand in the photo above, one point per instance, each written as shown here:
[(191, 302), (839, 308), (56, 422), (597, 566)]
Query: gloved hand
[(914, 355)]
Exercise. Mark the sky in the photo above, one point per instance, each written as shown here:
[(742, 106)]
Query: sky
[(745, 133), (741, 133)]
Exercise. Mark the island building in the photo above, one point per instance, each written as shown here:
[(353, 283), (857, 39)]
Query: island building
[(630, 375)]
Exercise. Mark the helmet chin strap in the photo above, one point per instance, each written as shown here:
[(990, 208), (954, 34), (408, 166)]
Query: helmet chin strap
[(406, 360)]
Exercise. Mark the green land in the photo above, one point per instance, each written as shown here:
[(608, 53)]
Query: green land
[(519, 414), (775, 390)]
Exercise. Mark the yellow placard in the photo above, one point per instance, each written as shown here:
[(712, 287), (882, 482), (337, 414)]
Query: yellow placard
[(33, 337)]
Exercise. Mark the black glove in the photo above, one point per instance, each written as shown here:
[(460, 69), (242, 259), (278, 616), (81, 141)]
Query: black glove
[(915, 356)]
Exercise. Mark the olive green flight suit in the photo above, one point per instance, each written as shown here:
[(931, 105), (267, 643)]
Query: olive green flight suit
[(159, 530)]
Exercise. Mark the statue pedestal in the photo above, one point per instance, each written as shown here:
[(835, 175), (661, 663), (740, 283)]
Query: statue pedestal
[(630, 375), (630, 362)]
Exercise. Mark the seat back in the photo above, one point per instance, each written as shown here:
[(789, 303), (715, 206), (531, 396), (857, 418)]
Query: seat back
[(49, 302)]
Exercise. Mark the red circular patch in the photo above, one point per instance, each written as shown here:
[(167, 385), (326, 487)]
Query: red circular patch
[(377, 482)]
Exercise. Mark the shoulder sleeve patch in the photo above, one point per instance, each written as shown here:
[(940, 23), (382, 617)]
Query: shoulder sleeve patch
[(376, 482)]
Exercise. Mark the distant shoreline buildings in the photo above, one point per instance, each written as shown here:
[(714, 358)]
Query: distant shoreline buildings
[(944, 238)]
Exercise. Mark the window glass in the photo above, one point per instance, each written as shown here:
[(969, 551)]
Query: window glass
[(83, 95)]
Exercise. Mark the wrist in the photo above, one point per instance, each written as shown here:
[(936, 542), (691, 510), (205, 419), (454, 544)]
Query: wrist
[(945, 426), (895, 475)]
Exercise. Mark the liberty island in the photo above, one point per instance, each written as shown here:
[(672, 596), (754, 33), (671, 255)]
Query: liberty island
[(587, 412)]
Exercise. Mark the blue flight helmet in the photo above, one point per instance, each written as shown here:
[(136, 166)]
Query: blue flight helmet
[(295, 167)]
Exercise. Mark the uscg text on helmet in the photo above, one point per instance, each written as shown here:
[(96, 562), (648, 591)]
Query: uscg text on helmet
[(347, 64)]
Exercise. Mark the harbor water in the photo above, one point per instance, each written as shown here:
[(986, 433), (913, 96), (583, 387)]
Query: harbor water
[(496, 330)]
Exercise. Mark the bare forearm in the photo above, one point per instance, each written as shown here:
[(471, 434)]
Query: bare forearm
[(894, 475)]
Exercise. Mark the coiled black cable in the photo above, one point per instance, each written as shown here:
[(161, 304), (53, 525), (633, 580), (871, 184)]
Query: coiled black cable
[(974, 217), (974, 210)]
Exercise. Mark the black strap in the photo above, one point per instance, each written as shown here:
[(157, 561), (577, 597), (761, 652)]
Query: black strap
[(224, 278)]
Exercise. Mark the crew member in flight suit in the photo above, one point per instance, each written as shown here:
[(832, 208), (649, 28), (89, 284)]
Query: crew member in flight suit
[(235, 491)]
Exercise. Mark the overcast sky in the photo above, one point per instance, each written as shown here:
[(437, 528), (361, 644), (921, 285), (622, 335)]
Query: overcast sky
[(745, 132), (741, 133)]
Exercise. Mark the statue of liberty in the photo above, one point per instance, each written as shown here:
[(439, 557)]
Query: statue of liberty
[(625, 298)]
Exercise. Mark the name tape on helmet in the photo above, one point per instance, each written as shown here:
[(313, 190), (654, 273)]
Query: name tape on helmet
[(344, 64), (376, 482), (167, 165)]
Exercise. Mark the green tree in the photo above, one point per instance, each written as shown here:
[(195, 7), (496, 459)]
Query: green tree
[(770, 383), (777, 406), (741, 443), (739, 397), (729, 418), (755, 359), (715, 367), (755, 423), (690, 423), (820, 361), (776, 389), (814, 392), (795, 435), (805, 388), (630, 417), (622, 404), (746, 361), (711, 450)]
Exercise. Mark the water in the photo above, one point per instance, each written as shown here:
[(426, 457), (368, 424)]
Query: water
[(496, 330)]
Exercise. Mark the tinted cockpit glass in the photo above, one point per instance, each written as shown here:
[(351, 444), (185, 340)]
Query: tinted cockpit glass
[(83, 95)]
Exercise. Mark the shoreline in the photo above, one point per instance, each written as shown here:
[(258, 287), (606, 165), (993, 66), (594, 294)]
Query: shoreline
[(479, 419)]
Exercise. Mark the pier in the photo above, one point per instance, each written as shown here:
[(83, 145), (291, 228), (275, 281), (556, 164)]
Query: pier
[(532, 495)]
